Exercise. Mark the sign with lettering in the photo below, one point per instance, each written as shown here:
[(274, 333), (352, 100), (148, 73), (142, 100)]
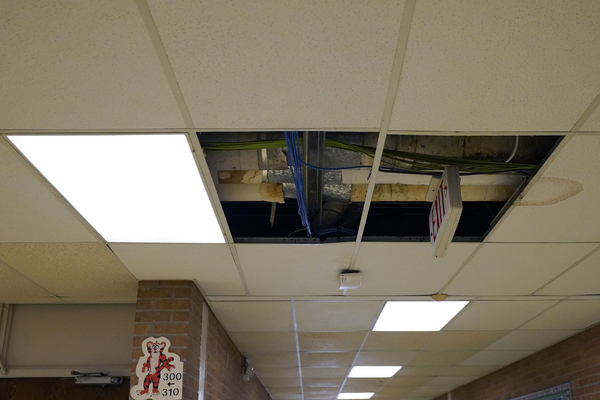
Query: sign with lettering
[(560, 392), (159, 372), (445, 211)]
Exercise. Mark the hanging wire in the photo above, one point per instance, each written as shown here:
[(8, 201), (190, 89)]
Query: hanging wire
[(295, 163)]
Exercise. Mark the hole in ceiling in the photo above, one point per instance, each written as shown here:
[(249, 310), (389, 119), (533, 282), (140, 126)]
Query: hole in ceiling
[(258, 189)]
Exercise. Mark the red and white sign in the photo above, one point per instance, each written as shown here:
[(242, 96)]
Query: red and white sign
[(445, 211), (159, 372)]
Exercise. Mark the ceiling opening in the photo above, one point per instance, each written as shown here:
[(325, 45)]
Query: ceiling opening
[(311, 187)]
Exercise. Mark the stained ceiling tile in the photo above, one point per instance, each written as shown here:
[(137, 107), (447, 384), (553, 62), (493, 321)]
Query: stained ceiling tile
[(327, 391), (72, 271), (292, 270), (569, 314), (407, 268), (498, 66), (497, 315), (327, 65), (336, 316), (255, 316), (530, 340), (515, 268), (327, 359), (552, 210), (393, 341), (504, 357), (464, 340), (264, 341), (399, 358), (210, 264), (330, 341), (83, 65), (30, 211), (434, 358), (581, 279)]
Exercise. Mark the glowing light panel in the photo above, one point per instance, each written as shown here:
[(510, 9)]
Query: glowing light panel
[(373, 372), (130, 188), (362, 395), (417, 315)]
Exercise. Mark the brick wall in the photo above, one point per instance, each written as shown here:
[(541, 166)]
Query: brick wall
[(174, 309), (223, 369), (575, 360)]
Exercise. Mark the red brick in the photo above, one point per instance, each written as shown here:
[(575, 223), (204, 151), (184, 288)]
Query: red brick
[(171, 328), (173, 283), (152, 316), (142, 329), (181, 316), (155, 293), (181, 304)]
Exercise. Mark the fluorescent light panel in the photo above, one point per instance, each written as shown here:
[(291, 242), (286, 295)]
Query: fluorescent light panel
[(373, 372), (130, 188), (417, 315), (363, 395)]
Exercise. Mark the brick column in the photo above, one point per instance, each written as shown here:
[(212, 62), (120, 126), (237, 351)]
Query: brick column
[(172, 309)]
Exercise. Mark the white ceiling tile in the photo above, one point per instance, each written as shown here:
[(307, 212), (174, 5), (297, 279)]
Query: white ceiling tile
[(210, 264), (83, 65), (312, 360), (358, 385), (557, 208), (255, 316), (504, 357), (292, 270), (264, 341), (336, 316), (464, 340), (435, 358), (407, 268), (338, 372), (272, 372), (471, 370), (530, 340), (30, 212), (452, 380), (593, 122), (515, 268), (499, 66), (497, 315), (72, 270), (273, 360), (398, 358), (281, 382), (321, 382), (581, 279), (281, 65), (390, 341), (16, 288), (330, 341), (419, 371), (569, 314)]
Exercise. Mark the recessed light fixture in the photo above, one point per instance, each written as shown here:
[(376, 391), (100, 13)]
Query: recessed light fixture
[(373, 372), (130, 188), (363, 395), (417, 315)]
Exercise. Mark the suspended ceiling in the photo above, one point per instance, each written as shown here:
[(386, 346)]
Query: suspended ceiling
[(415, 67)]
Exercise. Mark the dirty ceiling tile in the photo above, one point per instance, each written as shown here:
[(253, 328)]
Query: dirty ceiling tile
[(330, 341), (480, 48), (497, 315), (321, 382), (464, 340), (336, 316), (158, 261), (515, 268), (71, 270), (81, 65), (336, 372), (255, 316)]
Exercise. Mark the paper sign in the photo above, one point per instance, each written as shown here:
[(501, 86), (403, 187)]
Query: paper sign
[(159, 372)]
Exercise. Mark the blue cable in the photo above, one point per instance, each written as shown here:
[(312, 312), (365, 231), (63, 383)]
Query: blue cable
[(295, 164)]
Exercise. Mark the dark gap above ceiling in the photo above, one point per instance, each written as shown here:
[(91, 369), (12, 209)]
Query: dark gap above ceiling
[(251, 173)]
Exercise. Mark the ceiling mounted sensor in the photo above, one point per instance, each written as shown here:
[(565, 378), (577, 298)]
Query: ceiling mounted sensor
[(311, 187), (411, 316), (350, 280), (130, 188)]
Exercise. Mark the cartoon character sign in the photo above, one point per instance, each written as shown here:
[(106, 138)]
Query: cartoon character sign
[(159, 372)]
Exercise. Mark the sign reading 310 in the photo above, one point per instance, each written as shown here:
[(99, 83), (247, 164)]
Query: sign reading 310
[(159, 372)]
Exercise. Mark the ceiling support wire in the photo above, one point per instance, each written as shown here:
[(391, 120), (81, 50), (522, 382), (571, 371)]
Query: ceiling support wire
[(514, 150), (293, 303), (405, 23)]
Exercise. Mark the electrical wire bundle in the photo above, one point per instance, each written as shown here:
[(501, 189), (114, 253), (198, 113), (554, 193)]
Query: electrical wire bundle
[(295, 163), (412, 163)]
